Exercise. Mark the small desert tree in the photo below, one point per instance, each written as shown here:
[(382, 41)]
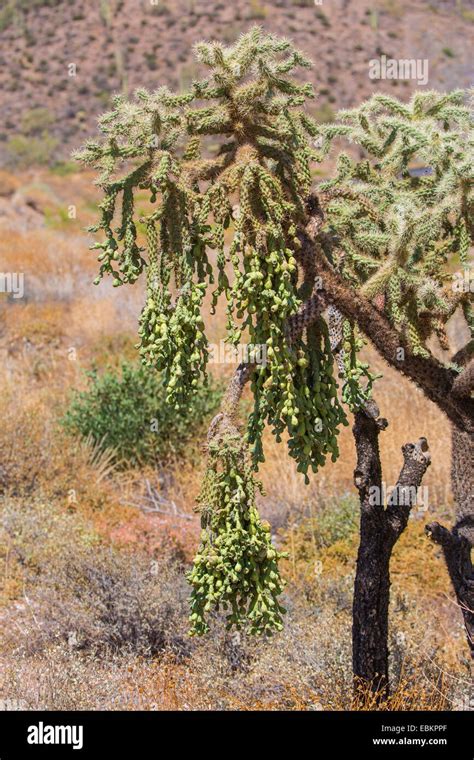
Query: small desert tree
[(289, 256)]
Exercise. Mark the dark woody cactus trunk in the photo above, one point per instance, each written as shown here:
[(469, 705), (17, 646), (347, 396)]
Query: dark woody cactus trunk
[(372, 583), (457, 543), (380, 529), (453, 394)]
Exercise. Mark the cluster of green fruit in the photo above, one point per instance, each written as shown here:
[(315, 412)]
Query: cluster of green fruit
[(236, 567), (358, 379), (297, 391), (293, 388), (172, 339)]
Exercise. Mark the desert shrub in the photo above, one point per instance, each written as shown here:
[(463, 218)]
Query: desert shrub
[(23, 151), (111, 600), (38, 535), (337, 520), (333, 522), (13, 8), (64, 168), (151, 60), (35, 120), (128, 412), (7, 16), (322, 551), (257, 10), (87, 594), (33, 144)]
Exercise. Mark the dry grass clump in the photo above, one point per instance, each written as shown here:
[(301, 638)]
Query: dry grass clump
[(8, 183), (81, 591), (36, 457), (55, 265), (34, 331)]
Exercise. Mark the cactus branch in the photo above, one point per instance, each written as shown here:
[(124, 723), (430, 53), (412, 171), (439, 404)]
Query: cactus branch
[(435, 380)]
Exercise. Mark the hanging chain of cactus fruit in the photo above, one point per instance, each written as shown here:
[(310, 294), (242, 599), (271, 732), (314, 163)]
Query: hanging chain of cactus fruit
[(225, 171), (236, 568)]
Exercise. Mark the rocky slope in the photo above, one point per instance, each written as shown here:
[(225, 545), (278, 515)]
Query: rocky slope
[(66, 57)]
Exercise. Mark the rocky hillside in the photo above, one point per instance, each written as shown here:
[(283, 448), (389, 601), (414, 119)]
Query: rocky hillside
[(60, 60)]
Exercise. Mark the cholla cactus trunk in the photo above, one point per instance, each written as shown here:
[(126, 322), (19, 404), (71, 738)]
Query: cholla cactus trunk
[(457, 543), (381, 525)]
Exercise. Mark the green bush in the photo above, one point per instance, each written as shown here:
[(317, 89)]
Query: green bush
[(26, 151), (36, 120), (64, 168), (337, 520), (7, 15), (128, 412)]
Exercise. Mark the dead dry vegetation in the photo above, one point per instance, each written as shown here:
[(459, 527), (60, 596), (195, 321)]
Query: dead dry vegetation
[(94, 600)]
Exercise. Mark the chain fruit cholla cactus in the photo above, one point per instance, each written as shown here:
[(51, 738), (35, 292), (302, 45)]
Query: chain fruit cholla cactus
[(226, 167), (254, 186)]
